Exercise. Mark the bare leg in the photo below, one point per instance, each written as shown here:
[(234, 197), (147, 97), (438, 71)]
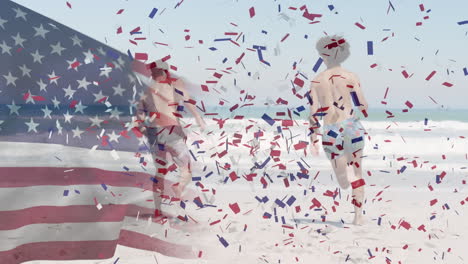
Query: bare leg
[(158, 186), (339, 166), (355, 174)]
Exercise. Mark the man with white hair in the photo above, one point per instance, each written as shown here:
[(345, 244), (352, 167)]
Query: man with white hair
[(337, 90)]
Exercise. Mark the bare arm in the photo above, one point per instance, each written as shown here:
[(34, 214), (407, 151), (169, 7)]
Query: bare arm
[(313, 120), (360, 95), (141, 115), (188, 102)]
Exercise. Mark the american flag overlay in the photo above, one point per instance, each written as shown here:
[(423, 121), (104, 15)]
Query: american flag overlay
[(66, 108)]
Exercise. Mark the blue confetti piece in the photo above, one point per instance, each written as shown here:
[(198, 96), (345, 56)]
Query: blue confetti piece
[(258, 199), (379, 222), (161, 147), (153, 12), (432, 217), (355, 98), (300, 108), (265, 199), (268, 119), (264, 32), (198, 202), (196, 178), (279, 203), (258, 47), (291, 200), (355, 140), (332, 134), (283, 220), (438, 179), (112, 54), (425, 121), (65, 193), (225, 59), (266, 215), (462, 22), (465, 71), (182, 204), (104, 186), (223, 241), (212, 48), (317, 64), (370, 48), (446, 206), (209, 174), (368, 251), (306, 36), (115, 262), (77, 192), (153, 179), (402, 169), (126, 168), (331, 7), (223, 39), (263, 164), (130, 54), (279, 8)]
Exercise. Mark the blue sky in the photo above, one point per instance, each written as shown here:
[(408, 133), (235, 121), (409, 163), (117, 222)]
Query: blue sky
[(210, 19)]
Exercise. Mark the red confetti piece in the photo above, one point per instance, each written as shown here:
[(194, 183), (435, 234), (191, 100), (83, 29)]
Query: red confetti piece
[(38, 98), (299, 82), (409, 104), (405, 74), (166, 58), (252, 12), (430, 75), (358, 183), (447, 84), (285, 37), (373, 65), (75, 64), (421, 7), (432, 202), (141, 56), (235, 208), (120, 11), (69, 5), (405, 225), (360, 26)]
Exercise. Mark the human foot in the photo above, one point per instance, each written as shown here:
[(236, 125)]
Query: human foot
[(358, 220)]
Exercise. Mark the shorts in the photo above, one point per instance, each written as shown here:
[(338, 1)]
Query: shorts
[(170, 139), (346, 136)]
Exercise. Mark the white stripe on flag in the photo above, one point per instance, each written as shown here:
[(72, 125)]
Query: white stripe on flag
[(59, 232)]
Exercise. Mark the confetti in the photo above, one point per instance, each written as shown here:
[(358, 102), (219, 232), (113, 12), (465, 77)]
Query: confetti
[(360, 26), (153, 12), (370, 48), (252, 12)]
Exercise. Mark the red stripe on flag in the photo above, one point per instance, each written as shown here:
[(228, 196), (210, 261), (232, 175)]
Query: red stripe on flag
[(79, 214), (21, 177), (60, 250)]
